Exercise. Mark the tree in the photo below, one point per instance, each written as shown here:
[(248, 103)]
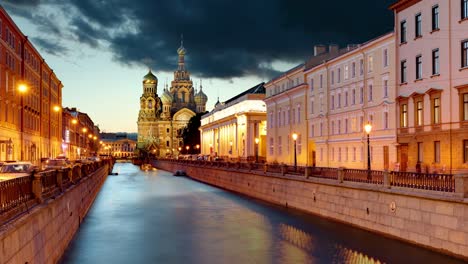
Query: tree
[(191, 134)]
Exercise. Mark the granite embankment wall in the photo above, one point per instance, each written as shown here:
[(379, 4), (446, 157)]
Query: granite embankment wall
[(430, 219), (42, 234)]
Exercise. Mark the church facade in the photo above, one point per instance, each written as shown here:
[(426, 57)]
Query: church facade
[(162, 117)]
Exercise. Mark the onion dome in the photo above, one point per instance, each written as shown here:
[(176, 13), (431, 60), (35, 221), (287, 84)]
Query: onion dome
[(166, 97), (200, 97), (181, 50), (150, 78)]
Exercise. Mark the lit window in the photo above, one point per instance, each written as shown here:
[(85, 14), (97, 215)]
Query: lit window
[(465, 151), (464, 9), (403, 71), (437, 151), (404, 115), (370, 64), (419, 113), (464, 53), (465, 107), (436, 107)]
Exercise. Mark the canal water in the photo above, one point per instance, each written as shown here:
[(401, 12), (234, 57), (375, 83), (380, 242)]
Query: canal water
[(154, 217)]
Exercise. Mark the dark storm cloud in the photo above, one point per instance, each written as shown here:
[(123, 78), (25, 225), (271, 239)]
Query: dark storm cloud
[(224, 39), (22, 2), (50, 46)]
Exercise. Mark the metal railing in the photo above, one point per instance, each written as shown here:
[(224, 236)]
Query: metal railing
[(424, 181), (15, 192), (367, 176)]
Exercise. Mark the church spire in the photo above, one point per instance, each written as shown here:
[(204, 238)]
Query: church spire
[(181, 51)]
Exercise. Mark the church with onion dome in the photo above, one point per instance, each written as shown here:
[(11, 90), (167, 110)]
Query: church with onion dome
[(162, 117)]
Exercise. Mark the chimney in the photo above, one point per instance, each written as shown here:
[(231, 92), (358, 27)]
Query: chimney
[(351, 46), (333, 48), (319, 49)]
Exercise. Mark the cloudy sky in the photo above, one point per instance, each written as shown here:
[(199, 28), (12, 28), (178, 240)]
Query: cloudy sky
[(100, 49)]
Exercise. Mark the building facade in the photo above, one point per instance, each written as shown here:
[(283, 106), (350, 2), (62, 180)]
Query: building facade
[(119, 145), (432, 73), (30, 99), (348, 90), (286, 107), (80, 136), (162, 118), (236, 129)]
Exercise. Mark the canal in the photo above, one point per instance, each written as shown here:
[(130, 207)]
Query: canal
[(154, 217)]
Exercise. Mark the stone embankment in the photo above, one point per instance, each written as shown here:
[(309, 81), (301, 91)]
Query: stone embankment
[(40, 214), (428, 211)]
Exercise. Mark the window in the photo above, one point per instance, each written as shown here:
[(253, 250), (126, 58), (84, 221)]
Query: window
[(419, 113), (436, 110), (403, 31), (417, 26), (464, 9), (435, 18), (312, 131), (370, 63), (272, 147), (418, 67), (346, 72), (420, 152), (354, 97), (437, 151), (385, 57), (279, 146), (361, 100), (404, 115), (312, 106), (321, 129), (465, 151), (339, 75), (332, 77), (332, 127), (321, 81), (370, 92), (465, 53), (465, 107), (361, 67), (435, 62), (353, 70), (346, 126), (403, 71), (311, 84), (354, 153), (385, 87), (299, 144), (298, 114), (293, 116), (332, 102), (346, 99), (386, 120), (339, 100)]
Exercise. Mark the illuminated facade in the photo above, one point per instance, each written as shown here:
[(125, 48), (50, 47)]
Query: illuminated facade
[(286, 108), (432, 90), (162, 118), (230, 129), (353, 87), (120, 148), (80, 135), (30, 121)]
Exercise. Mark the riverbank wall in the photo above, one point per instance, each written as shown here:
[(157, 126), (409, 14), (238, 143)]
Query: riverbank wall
[(42, 233)]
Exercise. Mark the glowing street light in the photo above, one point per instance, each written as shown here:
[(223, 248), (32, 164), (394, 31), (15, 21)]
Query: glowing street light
[(22, 88), (84, 130), (56, 108), (368, 128), (294, 137), (74, 121), (187, 148)]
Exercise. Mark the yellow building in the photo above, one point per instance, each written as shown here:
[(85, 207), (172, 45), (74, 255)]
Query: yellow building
[(353, 87), (286, 108), (237, 127)]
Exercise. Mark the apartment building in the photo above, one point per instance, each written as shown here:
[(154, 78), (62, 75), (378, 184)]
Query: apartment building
[(432, 92)]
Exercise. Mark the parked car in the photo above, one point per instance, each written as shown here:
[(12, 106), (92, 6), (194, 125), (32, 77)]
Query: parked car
[(57, 164), (15, 170)]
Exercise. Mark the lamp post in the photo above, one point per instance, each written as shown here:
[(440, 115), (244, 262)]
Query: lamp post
[(56, 109), (180, 149), (198, 148), (294, 137), (187, 148), (256, 149), (368, 128), (22, 88)]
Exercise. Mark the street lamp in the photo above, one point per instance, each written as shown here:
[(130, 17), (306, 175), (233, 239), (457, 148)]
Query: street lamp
[(294, 137), (256, 149), (198, 148), (368, 128), (187, 148)]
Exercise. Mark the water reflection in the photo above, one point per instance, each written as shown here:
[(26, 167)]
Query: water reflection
[(153, 217)]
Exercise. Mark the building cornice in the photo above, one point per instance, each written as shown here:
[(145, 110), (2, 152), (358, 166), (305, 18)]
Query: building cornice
[(402, 5)]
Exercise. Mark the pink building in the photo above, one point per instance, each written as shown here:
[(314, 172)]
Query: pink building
[(432, 91)]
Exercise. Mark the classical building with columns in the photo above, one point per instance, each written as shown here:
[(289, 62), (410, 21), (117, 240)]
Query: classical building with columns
[(30, 117), (161, 119), (236, 128)]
